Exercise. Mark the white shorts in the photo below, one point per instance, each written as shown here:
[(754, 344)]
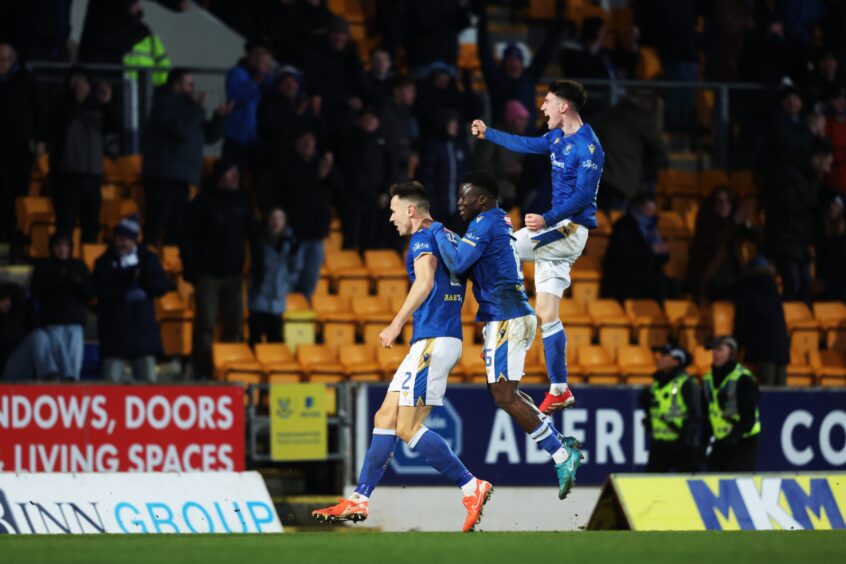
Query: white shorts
[(506, 344), (553, 250), (421, 378)]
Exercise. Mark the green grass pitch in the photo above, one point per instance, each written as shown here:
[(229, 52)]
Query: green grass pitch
[(438, 548)]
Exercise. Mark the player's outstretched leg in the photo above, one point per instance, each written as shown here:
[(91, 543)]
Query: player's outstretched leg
[(541, 430), (437, 453), (382, 446)]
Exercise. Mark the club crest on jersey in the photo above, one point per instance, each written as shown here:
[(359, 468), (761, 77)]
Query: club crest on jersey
[(591, 148), (567, 148), (556, 141), (426, 357), (479, 218)]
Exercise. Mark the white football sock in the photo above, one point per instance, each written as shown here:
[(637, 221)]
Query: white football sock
[(358, 498), (469, 488), (561, 455), (557, 389)]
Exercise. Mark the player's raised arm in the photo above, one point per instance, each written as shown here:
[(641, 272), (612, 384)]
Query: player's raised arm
[(516, 143), (424, 280), (458, 258), (587, 182)]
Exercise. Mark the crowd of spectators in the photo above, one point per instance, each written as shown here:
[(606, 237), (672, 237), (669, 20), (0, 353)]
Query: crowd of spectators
[(309, 125)]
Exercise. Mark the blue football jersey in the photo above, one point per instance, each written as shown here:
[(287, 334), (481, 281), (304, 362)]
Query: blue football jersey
[(577, 162), (487, 252), (440, 314)]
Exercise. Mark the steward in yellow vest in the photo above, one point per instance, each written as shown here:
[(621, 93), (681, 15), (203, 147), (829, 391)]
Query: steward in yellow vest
[(734, 422), (673, 406)]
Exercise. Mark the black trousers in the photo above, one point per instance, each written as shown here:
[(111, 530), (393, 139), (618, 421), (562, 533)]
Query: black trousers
[(267, 325), (77, 197), (167, 201), (673, 456), (739, 457)]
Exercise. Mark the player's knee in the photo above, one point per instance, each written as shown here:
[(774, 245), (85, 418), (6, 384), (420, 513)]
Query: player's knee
[(405, 432), (546, 313), (384, 419), (503, 394)]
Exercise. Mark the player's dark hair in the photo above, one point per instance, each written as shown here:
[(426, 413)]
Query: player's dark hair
[(571, 91), (411, 191), (483, 180)]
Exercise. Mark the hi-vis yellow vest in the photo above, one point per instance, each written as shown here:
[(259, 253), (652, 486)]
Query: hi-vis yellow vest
[(724, 418), (668, 403), (149, 52)]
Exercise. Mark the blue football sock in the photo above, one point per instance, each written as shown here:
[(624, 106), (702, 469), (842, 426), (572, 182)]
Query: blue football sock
[(378, 457), (437, 453), (546, 437), (555, 351)]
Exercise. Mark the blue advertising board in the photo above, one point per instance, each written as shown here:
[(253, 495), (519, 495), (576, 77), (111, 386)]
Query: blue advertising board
[(801, 431)]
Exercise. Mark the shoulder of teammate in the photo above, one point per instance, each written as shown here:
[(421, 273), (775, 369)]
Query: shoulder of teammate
[(478, 229), (422, 242)]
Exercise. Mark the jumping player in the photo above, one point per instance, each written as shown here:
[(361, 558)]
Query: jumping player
[(434, 299), (487, 250), (555, 239)]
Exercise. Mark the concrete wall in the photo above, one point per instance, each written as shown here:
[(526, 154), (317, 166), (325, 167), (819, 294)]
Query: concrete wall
[(509, 509)]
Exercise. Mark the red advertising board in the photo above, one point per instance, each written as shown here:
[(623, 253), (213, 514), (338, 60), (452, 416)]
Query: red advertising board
[(97, 428)]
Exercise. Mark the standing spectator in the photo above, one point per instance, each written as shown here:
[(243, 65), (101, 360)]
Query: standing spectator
[(367, 174), (835, 128), (733, 418), (824, 79), (246, 83), (110, 28), (281, 113), (505, 165), (127, 277), (61, 287), (380, 78), (78, 124), (21, 135), (670, 27), (636, 255), (674, 421), (147, 52), (512, 79), (440, 92), (40, 29), (631, 139), (402, 130), (283, 262), (430, 31), (713, 269), (759, 324), (791, 208), (731, 18), (173, 154), (444, 159), (831, 250), (790, 136), (333, 71), (219, 225), (304, 185)]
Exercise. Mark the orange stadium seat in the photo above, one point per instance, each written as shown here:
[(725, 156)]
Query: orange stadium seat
[(373, 313), (722, 318), (389, 360), (597, 364), (652, 328), (702, 359), (613, 326), (831, 317), (470, 364), (804, 330), (830, 367), (637, 364), (235, 359), (360, 363), (278, 363), (320, 363), (800, 372), (688, 326)]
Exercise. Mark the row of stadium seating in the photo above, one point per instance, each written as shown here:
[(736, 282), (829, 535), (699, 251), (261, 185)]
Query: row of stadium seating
[(592, 364)]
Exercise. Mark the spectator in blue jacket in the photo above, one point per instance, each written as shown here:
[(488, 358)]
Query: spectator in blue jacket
[(245, 85), (126, 279), (283, 262)]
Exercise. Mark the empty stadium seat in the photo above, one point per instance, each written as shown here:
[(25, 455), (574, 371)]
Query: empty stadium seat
[(359, 362), (91, 252), (722, 318), (702, 359), (278, 363), (234, 359), (389, 360), (688, 326), (613, 326), (800, 372), (636, 363), (597, 364), (829, 367), (831, 317), (373, 313), (652, 328), (176, 324), (804, 330), (388, 287), (470, 364), (320, 363)]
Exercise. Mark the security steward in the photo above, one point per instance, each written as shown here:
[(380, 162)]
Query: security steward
[(734, 422), (674, 423)]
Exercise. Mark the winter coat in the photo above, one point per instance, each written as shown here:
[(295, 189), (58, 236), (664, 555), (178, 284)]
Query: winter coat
[(283, 262), (76, 132), (790, 204), (219, 225), (443, 161), (278, 121), (402, 132), (126, 314), (176, 133), (61, 288), (631, 268), (246, 93), (22, 121), (759, 318)]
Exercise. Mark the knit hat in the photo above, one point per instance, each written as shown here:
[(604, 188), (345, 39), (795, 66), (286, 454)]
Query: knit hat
[(513, 50), (723, 340), (515, 109), (676, 352), (129, 227)]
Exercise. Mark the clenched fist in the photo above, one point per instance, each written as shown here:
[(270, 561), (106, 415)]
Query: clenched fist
[(478, 128)]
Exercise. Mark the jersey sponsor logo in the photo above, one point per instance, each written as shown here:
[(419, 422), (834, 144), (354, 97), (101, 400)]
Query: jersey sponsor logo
[(590, 165), (421, 245), (555, 162)]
